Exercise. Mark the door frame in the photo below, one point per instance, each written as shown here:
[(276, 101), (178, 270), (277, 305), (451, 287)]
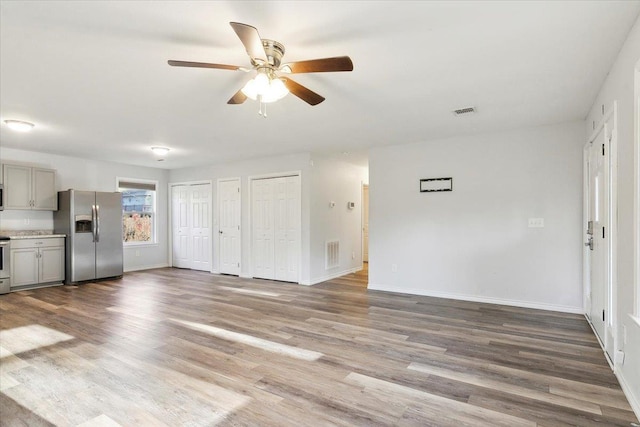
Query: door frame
[(170, 217), (217, 221), (609, 341), (250, 179), (362, 222)]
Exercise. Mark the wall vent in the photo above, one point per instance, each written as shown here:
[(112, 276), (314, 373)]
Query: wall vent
[(466, 110), (332, 254)]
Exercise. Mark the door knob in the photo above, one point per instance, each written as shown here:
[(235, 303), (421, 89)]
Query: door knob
[(220, 231)]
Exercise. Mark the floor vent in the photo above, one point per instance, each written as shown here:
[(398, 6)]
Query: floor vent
[(466, 110), (332, 254)]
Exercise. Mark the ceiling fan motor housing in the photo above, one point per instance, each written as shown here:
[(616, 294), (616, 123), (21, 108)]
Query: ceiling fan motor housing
[(274, 51)]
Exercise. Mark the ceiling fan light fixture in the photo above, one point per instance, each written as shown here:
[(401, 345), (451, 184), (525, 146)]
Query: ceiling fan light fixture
[(19, 125), (160, 151), (268, 90)]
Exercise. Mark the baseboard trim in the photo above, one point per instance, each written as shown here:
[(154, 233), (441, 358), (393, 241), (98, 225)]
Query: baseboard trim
[(633, 400), (330, 276), (475, 298), (146, 267)]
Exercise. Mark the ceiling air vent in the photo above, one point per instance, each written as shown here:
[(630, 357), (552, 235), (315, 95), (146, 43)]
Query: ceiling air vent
[(466, 110)]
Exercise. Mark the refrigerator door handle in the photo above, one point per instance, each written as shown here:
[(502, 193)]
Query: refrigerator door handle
[(93, 222), (97, 223)]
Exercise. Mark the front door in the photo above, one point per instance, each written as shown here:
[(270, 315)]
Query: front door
[(229, 229), (596, 234), (600, 228)]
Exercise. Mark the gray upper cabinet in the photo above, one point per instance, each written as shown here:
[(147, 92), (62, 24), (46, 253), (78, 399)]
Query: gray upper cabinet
[(30, 188)]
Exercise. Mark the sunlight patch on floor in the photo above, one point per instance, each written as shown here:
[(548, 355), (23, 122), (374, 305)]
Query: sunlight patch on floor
[(30, 337), (250, 292), (274, 347)]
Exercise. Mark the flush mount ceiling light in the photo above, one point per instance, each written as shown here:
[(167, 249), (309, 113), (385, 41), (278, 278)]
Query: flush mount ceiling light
[(19, 125), (160, 151)]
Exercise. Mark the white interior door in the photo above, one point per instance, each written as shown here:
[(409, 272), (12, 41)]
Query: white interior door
[(200, 226), (229, 226), (365, 223), (180, 226), (276, 228)]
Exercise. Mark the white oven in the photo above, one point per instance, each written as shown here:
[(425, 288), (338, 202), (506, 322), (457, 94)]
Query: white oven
[(5, 266)]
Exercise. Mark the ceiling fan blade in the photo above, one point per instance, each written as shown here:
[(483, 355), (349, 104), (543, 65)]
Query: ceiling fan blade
[(339, 63), (202, 65), (307, 95), (237, 98), (251, 40)]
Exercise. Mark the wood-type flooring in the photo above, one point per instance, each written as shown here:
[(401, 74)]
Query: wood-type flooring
[(170, 347)]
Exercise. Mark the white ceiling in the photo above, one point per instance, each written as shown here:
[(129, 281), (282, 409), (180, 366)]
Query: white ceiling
[(93, 75)]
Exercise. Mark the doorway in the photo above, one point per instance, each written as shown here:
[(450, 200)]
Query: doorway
[(365, 225), (600, 230)]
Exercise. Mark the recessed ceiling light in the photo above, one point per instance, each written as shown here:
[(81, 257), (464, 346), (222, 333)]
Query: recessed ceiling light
[(160, 151), (19, 125)]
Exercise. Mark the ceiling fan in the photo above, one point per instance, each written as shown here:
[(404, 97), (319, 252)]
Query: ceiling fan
[(271, 83)]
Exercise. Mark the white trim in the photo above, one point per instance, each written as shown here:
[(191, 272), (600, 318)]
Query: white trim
[(636, 193), (628, 392), (331, 276), (586, 253), (476, 298), (146, 267)]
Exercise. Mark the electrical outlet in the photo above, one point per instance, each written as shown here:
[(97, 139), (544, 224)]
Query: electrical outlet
[(624, 334), (26, 221), (137, 252), (394, 268), (536, 222), (353, 255)]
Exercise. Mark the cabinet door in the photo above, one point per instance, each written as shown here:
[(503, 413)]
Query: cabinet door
[(17, 186), (51, 268), (44, 195), (24, 266)]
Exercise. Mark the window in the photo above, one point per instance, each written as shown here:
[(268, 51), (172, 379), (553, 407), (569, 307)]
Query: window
[(138, 211)]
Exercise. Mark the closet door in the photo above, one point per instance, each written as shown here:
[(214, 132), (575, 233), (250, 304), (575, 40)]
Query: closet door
[(180, 226), (262, 228), (276, 228), (201, 226), (191, 226)]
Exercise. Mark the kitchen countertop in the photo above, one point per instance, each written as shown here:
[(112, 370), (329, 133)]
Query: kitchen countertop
[(30, 234), (37, 236)]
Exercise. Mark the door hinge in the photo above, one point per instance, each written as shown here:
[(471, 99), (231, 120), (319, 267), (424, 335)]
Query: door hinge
[(238, 189), (603, 149), (603, 315), (239, 267), (603, 232), (238, 228)]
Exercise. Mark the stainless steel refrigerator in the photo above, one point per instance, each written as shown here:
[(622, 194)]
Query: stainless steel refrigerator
[(92, 222)]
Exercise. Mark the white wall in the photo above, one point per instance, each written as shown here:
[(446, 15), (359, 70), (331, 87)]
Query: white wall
[(619, 86), (82, 174), (340, 182), (474, 243), (244, 170)]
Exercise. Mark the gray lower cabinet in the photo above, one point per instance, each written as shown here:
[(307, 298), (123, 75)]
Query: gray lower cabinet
[(37, 261)]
